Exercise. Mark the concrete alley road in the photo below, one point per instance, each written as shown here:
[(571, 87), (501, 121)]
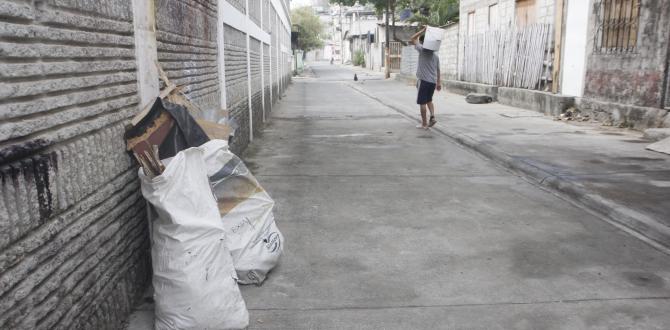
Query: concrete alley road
[(391, 227)]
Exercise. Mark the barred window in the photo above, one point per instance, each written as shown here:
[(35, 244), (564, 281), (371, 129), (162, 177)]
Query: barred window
[(618, 23)]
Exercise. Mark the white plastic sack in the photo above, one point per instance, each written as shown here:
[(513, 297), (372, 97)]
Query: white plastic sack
[(433, 38), (254, 240), (193, 276)]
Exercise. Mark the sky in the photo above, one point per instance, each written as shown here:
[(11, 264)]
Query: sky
[(301, 3)]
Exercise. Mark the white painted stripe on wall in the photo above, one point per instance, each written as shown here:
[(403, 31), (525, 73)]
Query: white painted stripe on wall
[(146, 51), (222, 59), (251, 108), (574, 49), (242, 22)]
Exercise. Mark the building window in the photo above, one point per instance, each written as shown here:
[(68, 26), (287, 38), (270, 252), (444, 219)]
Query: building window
[(493, 16), (618, 23)]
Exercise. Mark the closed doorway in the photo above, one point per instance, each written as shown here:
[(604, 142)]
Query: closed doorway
[(525, 13)]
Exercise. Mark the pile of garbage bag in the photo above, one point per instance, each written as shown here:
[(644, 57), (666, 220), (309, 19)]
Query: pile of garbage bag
[(211, 223)]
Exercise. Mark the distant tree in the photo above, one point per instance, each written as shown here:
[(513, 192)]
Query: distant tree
[(424, 12), (431, 12), (309, 28)]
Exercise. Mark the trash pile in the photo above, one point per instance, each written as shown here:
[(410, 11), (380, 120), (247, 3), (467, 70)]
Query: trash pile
[(573, 114), (211, 223)]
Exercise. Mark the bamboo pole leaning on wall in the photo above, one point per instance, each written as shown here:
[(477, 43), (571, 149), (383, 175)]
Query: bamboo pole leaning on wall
[(508, 57)]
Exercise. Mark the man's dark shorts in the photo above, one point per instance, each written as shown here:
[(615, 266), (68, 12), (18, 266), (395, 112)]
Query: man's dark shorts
[(426, 91)]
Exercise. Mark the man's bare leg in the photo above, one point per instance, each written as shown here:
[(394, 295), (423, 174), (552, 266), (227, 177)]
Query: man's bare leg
[(432, 121), (424, 120)]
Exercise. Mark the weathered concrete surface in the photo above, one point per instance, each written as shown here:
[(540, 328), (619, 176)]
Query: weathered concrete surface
[(606, 170), (543, 102), (626, 115), (465, 88), (390, 227), (73, 236), (656, 134), (635, 78)]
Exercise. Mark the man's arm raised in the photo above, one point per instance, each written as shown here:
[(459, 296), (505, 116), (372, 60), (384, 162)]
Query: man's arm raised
[(416, 36)]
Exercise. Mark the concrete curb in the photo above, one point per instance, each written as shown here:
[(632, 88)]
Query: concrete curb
[(639, 225), (465, 88)]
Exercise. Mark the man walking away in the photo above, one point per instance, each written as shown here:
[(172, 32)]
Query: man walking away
[(428, 79)]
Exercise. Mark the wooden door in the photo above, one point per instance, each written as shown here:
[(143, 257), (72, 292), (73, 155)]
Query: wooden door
[(525, 13)]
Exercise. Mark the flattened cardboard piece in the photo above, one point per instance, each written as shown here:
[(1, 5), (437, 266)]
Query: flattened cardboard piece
[(215, 131), (182, 130)]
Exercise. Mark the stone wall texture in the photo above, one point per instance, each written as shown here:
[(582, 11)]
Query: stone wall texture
[(449, 53), (256, 70), (74, 248), (267, 81), (237, 91), (73, 237), (241, 5), (408, 61), (274, 55), (611, 76), (187, 49), (255, 11)]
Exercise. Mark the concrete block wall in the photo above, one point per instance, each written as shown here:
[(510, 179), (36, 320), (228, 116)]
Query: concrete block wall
[(506, 16), (256, 70), (253, 53), (73, 236), (545, 11), (481, 9), (187, 50), (267, 83), (609, 76), (626, 88), (266, 17), (408, 61), (255, 11), (74, 248), (240, 5), (237, 89), (274, 54), (449, 53)]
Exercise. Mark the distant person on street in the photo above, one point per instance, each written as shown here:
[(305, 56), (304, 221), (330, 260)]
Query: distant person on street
[(428, 79)]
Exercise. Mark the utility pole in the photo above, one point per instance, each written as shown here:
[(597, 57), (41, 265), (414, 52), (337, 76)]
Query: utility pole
[(387, 70)]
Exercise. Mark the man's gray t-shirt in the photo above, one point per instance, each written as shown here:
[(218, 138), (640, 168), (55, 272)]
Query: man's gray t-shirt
[(429, 62)]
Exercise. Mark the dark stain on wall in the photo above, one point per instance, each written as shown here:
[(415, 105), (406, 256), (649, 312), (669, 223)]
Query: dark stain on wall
[(641, 88), (17, 151)]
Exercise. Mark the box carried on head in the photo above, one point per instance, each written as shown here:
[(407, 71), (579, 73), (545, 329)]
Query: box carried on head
[(433, 38)]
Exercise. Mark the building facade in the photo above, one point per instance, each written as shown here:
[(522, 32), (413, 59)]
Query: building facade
[(611, 56), (627, 62), (74, 249)]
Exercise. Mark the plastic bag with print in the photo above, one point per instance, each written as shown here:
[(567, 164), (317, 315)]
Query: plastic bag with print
[(246, 211)]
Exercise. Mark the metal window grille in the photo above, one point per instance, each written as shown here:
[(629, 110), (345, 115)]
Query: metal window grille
[(618, 23)]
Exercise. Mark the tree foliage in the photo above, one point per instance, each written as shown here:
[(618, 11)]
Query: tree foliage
[(309, 28), (425, 12), (431, 12)]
